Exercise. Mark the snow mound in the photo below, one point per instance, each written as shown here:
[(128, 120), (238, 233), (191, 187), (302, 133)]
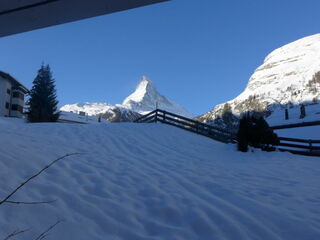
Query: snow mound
[(151, 181)]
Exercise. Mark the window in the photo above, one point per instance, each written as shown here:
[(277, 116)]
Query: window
[(7, 105), (8, 91), (16, 107), (18, 95)]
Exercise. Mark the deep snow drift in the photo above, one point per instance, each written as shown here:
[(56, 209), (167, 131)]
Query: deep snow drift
[(151, 181)]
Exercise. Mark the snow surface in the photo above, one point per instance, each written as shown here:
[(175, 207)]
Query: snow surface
[(152, 181), (312, 132), (74, 117), (278, 116)]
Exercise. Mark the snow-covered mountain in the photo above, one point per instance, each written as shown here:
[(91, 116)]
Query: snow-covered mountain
[(92, 109), (144, 99), (107, 111), (289, 76)]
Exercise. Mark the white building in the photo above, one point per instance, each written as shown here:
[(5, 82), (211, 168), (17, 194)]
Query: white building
[(11, 96)]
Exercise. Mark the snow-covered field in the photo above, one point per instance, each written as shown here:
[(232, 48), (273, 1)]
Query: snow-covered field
[(312, 132), (278, 116), (151, 181), (74, 117)]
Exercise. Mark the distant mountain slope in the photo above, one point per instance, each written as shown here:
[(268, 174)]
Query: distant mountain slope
[(106, 111), (91, 109), (288, 77), (144, 99)]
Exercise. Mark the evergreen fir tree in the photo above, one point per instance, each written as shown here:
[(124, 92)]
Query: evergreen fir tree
[(242, 135), (43, 99)]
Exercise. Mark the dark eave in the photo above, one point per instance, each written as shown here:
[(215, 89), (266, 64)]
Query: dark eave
[(14, 81), (17, 16)]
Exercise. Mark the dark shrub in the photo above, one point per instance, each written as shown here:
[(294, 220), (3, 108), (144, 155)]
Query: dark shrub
[(255, 131)]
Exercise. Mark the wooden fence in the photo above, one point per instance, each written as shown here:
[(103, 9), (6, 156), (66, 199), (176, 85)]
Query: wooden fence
[(293, 145), (300, 146), (295, 125), (187, 124)]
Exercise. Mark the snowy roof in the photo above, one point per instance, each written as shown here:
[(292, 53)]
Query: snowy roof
[(14, 81)]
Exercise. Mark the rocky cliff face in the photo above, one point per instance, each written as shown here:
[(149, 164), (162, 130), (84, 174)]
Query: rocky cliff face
[(288, 76)]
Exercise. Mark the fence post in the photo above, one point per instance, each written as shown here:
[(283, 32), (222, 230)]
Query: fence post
[(310, 145), (156, 116)]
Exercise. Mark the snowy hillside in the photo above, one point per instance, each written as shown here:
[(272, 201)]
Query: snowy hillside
[(289, 76), (311, 132), (107, 111), (74, 117), (92, 109), (151, 181), (278, 115), (145, 99)]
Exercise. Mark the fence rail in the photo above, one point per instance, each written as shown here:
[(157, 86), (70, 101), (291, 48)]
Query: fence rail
[(300, 146), (187, 124), (295, 125), (293, 145)]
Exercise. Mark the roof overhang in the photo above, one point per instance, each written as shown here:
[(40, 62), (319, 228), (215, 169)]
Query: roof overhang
[(17, 16), (14, 81)]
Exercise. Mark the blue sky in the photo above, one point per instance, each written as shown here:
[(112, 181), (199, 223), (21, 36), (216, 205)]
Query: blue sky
[(199, 53)]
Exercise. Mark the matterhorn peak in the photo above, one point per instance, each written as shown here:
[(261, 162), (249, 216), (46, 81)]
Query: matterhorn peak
[(145, 86), (145, 79), (146, 98), (144, 89)]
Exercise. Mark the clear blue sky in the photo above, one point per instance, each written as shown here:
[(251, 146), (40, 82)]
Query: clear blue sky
[(198, 53)]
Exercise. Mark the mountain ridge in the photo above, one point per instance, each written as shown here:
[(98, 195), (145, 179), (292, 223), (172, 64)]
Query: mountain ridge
[(144, 99), (288, 77)]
